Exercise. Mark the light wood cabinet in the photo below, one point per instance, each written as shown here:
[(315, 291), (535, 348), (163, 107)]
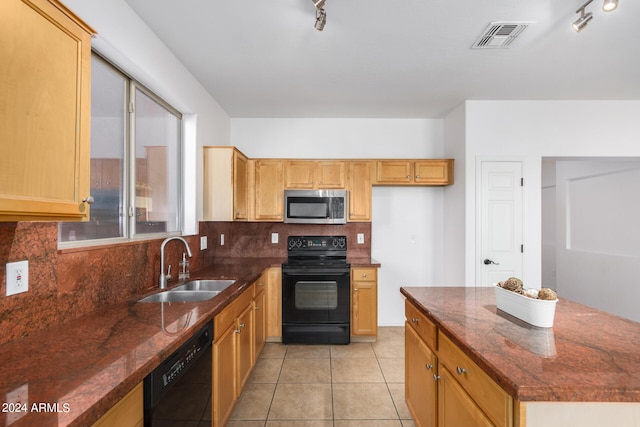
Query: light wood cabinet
[(44, 112), (128, 412), (420, 386), (260, 316), (224, 376), (274, 304), (414, 172), (466, 395), (245, 354), (364, 301), (359, 184), (310, 174), (226, 188), (268, 190)]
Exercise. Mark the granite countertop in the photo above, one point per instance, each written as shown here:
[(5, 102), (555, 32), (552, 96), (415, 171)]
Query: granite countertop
[(588, 355), (88, 364)]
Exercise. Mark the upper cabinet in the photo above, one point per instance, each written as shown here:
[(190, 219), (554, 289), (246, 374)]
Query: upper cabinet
[(359, 177), (310, 174), (268, 190), (414, 172), (226, 196), (44, 112)]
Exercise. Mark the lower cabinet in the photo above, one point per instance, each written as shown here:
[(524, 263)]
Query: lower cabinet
[(128, 412), (239, 337), (443, 386), (364, 301)]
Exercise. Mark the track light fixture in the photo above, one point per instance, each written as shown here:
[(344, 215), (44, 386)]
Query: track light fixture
[(585, 17), (321, 15)]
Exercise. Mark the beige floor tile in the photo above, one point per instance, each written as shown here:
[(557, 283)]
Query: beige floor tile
[(299, 423), (254, 402), (313, 371), (302, 402), (408, 423), (367, 423), (273, 350), (356, 371), (388, 349), (353, 350), (266, 371), (308, 352), (397, 394), (364, 401), (392, 369)]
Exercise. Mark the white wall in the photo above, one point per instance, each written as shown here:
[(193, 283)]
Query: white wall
[(407, 236), (530, 130), (126, 41)]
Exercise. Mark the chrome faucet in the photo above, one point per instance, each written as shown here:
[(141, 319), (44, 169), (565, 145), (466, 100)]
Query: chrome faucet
[(162, 281)]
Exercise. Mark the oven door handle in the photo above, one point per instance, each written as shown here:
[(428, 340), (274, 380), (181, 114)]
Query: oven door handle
[(316, 272)]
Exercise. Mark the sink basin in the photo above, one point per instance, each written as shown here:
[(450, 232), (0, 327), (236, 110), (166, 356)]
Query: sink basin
[(203, 285), (176, 295)]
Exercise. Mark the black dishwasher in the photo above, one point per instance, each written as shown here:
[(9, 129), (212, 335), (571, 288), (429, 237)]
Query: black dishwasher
[(179, 390)]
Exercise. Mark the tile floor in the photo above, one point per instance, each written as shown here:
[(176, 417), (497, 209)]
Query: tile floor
[(360, 384)]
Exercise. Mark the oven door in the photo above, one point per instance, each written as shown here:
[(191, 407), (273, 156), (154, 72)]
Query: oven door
[(318, 296)]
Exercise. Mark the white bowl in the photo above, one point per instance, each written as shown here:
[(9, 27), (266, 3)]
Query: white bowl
[(533, 311)]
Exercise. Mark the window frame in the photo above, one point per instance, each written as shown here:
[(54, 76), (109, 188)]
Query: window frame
[(129, 168)]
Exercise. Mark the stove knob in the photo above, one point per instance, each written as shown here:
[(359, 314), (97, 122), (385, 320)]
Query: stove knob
[(299, 243), (342, 242)]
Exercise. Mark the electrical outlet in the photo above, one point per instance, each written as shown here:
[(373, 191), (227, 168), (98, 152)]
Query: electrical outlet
[(17, 277), (361, 238), (221, 239), (203, 243), (274, 237)]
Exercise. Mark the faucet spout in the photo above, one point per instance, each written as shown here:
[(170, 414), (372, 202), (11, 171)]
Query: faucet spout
[(162, 281)]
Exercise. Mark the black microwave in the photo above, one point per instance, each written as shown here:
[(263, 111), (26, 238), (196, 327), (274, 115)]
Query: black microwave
[(316, 206)]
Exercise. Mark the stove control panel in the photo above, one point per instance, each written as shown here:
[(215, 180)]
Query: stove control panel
[(311, 243)]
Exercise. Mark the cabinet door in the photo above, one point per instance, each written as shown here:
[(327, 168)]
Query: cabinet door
[(269, 204), (434, 172), (360, 191), (274, 303), (128, 412), (260, 320), (44, 112), (455, 407), (420, 384), (394, 172), (224, 377), (240, 186), (330, 174), (364, 309), (244, 349), (299, 174)]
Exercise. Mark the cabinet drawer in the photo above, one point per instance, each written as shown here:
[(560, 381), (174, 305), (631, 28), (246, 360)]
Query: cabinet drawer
[(488, 395), (226, 317), (364, 274), (423, 326)]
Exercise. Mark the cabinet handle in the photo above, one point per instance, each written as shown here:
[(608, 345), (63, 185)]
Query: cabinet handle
[(364, 274), (89, 200), (408, 176), (241, 325), (429, 366), (460, 370), (436, 377), (257, 308), (414, 320), (417, 176), (238, 331), (320, 182), (355, 290), (260, 284)]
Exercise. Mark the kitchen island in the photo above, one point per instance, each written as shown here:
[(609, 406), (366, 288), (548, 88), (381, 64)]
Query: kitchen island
[(584, 371)]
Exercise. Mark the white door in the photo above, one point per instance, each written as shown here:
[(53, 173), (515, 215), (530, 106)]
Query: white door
[(500, 222)]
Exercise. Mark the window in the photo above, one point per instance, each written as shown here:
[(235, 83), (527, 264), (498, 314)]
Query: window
[(136, 157)]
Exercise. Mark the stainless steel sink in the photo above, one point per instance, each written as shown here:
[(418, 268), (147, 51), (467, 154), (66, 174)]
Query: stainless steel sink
[(176, 295), (205, 285)]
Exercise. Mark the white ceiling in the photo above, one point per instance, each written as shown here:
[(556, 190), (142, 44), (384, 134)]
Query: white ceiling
[(394, 58)]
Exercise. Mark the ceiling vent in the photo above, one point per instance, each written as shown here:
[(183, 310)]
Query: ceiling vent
[(500, 35)]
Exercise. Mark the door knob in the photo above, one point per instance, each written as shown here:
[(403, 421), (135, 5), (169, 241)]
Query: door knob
[(488, 262)]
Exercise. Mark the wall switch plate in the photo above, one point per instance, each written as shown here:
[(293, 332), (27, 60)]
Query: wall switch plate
[(203, 243), (17, 277), (361, 238), (221, 239), (274, 237)]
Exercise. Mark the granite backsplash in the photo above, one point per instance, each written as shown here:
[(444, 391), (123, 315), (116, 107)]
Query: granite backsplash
[(65, 284)]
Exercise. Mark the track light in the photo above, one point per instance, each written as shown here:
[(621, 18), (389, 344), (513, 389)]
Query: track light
[(584, 17), (321, 15), (609, 5)]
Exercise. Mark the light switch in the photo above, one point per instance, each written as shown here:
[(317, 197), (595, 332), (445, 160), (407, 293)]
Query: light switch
[(274, 237), (203, 243), (361, 238)]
